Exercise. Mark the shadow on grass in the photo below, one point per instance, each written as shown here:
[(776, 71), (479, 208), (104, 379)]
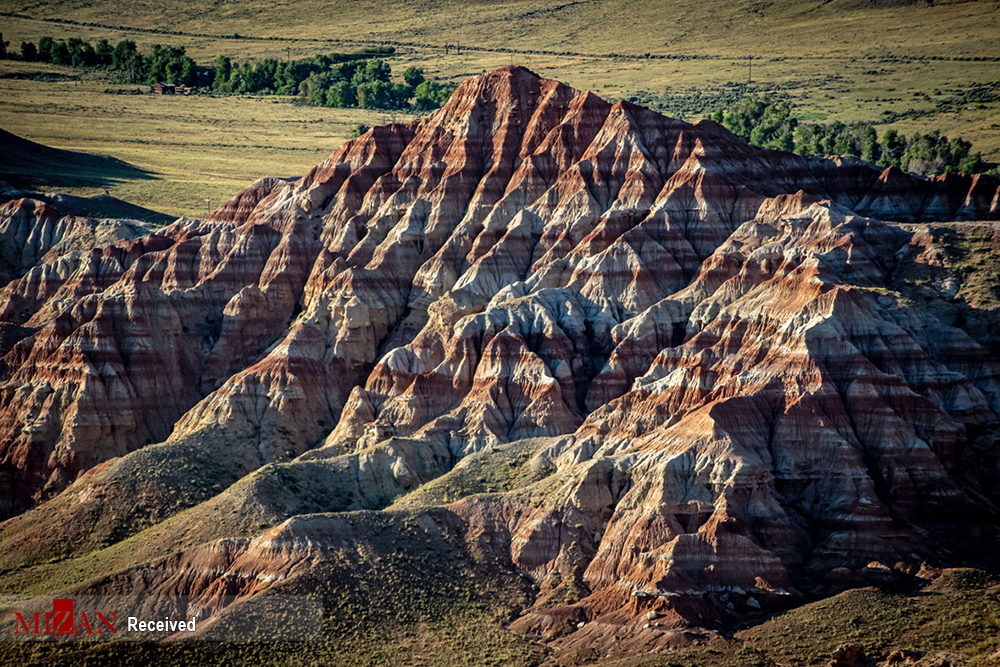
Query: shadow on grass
[(26, 164), (106, 206)]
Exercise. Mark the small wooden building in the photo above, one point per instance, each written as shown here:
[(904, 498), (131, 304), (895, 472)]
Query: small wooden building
[(163, 88)]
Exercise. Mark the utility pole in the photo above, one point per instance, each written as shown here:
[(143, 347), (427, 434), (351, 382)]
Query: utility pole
[(749, 69)]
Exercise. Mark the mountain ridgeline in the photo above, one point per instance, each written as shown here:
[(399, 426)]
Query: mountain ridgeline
[(635, 377)]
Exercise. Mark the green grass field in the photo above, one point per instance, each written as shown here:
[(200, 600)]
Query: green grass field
[(703, 27), (187, 154), (839, 60)]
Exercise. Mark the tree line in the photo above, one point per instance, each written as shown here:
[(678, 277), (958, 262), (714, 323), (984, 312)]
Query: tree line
[(169, 64), (769, 122), (335, 80), (362, 79)]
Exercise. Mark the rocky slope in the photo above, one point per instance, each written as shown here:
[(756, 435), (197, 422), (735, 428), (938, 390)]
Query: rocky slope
[(734, 398), (38, 229)]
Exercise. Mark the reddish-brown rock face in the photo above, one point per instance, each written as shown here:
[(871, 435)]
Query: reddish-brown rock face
[(737, 398)]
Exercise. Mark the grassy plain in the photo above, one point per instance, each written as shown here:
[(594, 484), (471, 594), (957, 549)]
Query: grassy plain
[(839, 60), (194, 152), (691, 27)]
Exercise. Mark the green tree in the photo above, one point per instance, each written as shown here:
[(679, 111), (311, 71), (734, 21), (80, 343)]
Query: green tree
[(870, 149), (893, 145), (45, 45), (188, 72), (261, 76), (934, 153), (348, 70), (375, 95), (126, 59), (971, 164), (377, 70), (60, 54), (400, 95), (958, 149), (841, 141), (103, 52), (75, 46), (809, 139), (413, 76), (342, 94), (29, 51), (223, 68), (296, 73), (762, 121), (282, 84), (431, 95), (82, 54), (170, 64), (313, 89)]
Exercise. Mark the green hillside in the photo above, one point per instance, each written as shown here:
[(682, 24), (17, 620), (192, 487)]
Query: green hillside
[(703, 27)]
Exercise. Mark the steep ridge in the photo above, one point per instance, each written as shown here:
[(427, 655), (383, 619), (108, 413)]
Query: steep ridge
[(36, 229), (739, 406)]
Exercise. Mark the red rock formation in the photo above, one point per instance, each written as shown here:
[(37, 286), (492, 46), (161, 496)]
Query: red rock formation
[(738, 397), (34, 231)]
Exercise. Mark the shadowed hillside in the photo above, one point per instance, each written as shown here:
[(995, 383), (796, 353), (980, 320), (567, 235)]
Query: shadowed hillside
[(28, 164)]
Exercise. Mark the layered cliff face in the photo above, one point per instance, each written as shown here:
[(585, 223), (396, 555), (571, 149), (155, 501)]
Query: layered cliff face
[(37, 231), (733, 397)]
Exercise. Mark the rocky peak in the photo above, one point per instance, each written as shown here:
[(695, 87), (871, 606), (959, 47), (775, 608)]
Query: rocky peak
[(735, 396)]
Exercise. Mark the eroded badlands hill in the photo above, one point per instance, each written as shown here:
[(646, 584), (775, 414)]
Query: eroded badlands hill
[(718, 395)]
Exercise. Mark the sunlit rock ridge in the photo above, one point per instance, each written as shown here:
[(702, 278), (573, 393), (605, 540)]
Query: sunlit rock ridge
[(734, 401)]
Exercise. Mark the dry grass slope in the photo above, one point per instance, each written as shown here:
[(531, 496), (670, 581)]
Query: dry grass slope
[(185, 155)]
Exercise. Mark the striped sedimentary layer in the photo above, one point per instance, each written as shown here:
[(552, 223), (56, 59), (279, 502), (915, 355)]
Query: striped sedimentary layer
[(736, 396)]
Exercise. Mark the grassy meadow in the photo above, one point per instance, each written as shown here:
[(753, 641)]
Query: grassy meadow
[(691, 27), (197, 151), (840, 60)]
